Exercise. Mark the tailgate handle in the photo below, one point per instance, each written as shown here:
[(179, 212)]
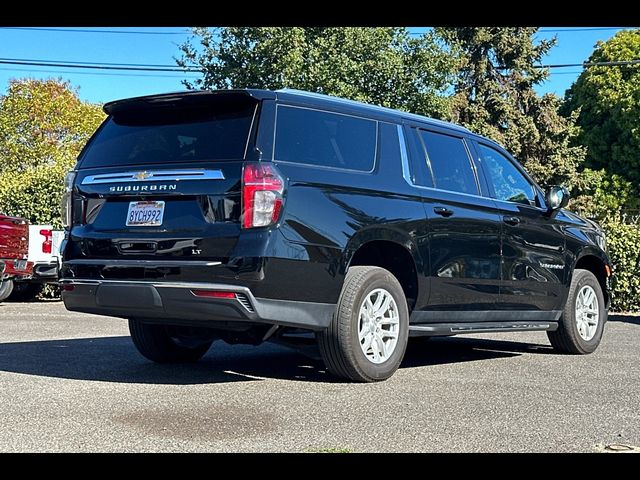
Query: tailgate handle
[(137, 247)]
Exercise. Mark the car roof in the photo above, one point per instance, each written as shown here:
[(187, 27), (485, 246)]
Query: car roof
[(285, 94), (364, 108)]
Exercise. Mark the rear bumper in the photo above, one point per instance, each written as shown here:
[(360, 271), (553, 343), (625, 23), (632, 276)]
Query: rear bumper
[(45, 272), (17, 268), (175, 303)]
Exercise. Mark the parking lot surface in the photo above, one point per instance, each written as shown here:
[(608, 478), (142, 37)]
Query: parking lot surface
[(74, 382)]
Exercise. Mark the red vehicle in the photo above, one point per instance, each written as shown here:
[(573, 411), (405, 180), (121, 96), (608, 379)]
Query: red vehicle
[(14, 247)]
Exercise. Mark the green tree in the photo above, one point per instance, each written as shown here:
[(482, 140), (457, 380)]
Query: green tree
[(43, 127), (384, 66), (493, 94), (608, 101), (599, 194)]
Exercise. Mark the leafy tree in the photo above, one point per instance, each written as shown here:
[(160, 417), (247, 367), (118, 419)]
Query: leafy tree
[(43, 127), (493, 94), (42, 123), (599, 194), (608, 101), (384, 66)]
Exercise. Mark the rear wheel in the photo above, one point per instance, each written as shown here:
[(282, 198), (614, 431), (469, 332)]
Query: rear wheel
[(367, 337), (165, 344), (582, 324), (6, 287)]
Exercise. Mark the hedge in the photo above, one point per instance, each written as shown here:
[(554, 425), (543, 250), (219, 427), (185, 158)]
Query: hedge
[(623, 240)]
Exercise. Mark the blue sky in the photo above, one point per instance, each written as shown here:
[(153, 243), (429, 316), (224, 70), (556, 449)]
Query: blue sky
[(160, 45)]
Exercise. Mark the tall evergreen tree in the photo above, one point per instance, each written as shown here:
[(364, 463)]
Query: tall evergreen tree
[(493, 94)]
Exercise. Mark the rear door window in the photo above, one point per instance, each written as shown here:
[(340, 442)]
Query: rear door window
[(450, 163), (171, 135), (320, 138)]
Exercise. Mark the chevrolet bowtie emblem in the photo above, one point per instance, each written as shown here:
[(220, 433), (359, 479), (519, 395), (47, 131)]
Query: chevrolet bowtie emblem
[(142, 175)]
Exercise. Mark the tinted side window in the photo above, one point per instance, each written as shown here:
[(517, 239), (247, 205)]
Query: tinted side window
[(508, 183), (328, 139), (389, 145), (420, 170), (450, 163)]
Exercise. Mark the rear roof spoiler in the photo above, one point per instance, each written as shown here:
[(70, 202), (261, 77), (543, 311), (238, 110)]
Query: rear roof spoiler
[(177, 99)]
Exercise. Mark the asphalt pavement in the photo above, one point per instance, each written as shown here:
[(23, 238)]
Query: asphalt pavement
[(74, 382)]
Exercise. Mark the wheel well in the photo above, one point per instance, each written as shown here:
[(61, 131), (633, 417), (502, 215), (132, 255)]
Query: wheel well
[(597, 267), (395, 258)]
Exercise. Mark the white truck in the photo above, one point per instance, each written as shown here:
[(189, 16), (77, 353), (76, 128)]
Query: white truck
[(44, 252)]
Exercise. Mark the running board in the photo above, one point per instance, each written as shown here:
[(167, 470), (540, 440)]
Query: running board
[(439, 329)]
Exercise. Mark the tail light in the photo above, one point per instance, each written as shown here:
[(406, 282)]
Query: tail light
[(262, 190), (46, 245), (67, 199), (214, 294)]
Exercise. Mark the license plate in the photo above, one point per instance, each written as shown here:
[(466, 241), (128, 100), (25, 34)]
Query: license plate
[(145, 214), (20, 264)]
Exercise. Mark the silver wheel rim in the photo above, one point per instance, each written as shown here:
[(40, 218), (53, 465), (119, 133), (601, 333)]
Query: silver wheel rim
[(378, 326), (587, 312)]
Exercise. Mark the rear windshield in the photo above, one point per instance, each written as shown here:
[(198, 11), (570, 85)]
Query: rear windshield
[(171, 135)]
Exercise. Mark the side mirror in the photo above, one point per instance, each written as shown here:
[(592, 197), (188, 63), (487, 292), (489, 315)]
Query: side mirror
[(557, 197)]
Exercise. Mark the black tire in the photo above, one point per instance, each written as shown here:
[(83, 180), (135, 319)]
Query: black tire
[(25, 291), (566, 338), (339, 345), (6, 287), (155, 343)]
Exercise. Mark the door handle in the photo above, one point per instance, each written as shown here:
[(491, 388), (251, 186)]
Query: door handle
[(511, 220), (445, 212)]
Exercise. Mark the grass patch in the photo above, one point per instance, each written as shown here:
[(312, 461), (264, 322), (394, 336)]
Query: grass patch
[(329, 450)]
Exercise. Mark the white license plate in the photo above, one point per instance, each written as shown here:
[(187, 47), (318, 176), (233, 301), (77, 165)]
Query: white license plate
[(145, 214), (20, 264)]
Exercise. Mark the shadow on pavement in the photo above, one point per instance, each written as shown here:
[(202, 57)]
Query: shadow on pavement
[(625, 318), (114, 359)]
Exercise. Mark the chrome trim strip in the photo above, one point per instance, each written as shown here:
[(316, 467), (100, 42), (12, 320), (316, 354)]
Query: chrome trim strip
[(139, 263), (153, 176), (403, 156)]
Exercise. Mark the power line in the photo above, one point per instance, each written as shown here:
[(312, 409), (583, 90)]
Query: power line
[(587, 29), (590, 64), (142, 67), (151, 32), (111, 74), (46, 63), (89, 30), (117, 64), (555, 30)]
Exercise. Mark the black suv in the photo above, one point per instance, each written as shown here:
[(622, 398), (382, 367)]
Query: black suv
[(254, 215)]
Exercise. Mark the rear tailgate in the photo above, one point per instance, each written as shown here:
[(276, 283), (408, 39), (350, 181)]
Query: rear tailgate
[(162, 182), (14, 238), (37, 252)]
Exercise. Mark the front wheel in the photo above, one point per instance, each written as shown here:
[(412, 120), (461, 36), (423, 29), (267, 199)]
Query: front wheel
[(367, 337), (162, 344), (582, 324)]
